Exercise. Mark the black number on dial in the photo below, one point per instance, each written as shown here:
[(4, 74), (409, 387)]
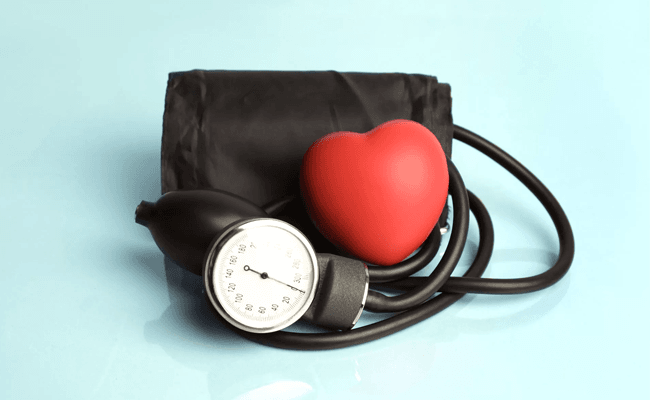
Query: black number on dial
[(262, 310), (285, 299)]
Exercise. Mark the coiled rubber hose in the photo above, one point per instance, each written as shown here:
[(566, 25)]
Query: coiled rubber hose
[(419, 301)]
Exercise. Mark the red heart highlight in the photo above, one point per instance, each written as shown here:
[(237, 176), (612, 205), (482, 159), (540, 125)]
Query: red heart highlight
[(376, 195)]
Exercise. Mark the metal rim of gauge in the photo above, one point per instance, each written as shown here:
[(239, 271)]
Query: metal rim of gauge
[(211, 263)]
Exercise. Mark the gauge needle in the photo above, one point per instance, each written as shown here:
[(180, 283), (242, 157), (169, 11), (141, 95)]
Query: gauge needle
[(264, 275)]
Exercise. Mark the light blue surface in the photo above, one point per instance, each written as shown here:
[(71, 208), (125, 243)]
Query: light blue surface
[(90, 310)]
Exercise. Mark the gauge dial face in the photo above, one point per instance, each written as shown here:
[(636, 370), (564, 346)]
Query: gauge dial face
[(262, 275)]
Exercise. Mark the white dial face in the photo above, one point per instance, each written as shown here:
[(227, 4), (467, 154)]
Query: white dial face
[(264, 276)]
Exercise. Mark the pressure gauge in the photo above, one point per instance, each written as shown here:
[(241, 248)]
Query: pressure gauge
[(261, 275)]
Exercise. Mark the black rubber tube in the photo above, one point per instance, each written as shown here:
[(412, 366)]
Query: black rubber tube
[(378, 302), (408, 267), (552, 206), (454, 287)]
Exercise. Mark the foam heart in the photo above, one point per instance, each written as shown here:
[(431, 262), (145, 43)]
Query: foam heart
[(377, 195)]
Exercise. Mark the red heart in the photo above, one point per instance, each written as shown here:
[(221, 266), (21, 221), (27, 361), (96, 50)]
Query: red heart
[(379, 194)]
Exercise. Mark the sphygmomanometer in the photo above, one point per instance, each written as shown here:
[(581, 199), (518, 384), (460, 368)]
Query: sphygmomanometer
[(372, 199)]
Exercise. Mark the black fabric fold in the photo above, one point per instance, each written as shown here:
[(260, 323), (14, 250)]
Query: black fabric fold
[(246, 131)]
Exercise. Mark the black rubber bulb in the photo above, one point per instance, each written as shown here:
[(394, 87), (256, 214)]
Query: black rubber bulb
[(184, 223)]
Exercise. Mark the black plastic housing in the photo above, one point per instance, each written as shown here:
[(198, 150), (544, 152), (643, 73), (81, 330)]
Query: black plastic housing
[(341, 292)]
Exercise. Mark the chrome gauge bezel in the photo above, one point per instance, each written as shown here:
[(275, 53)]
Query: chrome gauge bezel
[(212, 261)]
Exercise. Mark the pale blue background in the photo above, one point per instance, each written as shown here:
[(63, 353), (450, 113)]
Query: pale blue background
[(90, 310)]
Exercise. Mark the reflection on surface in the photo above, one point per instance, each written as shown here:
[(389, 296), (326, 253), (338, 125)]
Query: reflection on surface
[(238, 369), (375, 371), (277, 390), (188, 318)]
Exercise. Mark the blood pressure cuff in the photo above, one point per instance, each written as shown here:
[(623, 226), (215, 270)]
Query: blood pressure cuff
[(245, 132)]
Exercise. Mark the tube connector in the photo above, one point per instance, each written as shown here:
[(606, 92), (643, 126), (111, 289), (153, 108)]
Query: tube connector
[(341, 293)]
